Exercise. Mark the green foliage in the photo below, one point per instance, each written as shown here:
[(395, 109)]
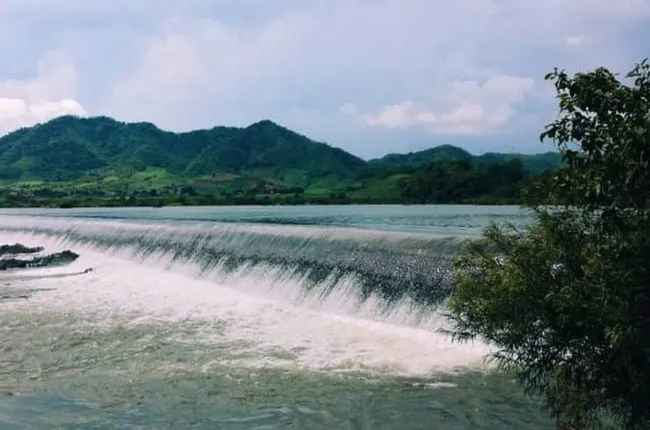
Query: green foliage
[(611, 122), (438, 154), (464, 182), (534, 164), (567, 301), (69, 148), (102, 161)]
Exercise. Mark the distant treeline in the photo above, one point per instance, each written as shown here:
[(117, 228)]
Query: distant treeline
[(450, 182), (464, 181)]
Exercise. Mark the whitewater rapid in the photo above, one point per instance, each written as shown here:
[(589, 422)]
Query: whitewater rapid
[(264, 314)]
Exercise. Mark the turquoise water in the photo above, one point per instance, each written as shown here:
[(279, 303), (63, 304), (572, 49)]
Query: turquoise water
[(448, 219), (247, 318)]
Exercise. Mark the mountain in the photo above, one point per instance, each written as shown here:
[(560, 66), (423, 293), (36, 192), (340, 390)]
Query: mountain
[(533, 164), (68, 148), (99, 161), (432, 155)]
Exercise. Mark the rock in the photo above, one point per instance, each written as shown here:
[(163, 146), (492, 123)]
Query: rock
[(18, 248), (56, 259)]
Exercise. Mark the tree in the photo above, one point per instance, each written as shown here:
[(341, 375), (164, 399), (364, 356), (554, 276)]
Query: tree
[(566, 301)]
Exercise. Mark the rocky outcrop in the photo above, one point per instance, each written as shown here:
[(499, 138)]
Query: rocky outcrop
[(56, 259), (18, 248)]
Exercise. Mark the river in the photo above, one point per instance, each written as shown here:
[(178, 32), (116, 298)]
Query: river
[(247, 318)]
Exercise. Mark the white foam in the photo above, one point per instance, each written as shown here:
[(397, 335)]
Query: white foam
[(257, 306), (161, 226)]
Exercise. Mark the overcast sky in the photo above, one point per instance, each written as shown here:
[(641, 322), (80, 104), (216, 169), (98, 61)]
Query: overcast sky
[(371, 76)]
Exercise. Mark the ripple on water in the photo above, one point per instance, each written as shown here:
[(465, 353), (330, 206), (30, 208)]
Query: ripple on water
[(156, 374), (142, 342)]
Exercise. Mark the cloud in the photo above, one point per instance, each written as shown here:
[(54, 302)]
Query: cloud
[(206, 68), (55, 77), (16, 113), (576, 40), (170, 64), (344, 71), (44, 96), (399, 115), (349, 109), (468, 107)]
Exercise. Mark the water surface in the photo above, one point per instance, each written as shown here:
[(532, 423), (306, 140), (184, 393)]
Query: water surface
[(246, 317)]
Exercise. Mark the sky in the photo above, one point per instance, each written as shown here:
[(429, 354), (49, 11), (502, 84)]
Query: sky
[(369, 76)]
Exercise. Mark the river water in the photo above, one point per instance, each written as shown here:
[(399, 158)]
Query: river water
[(246, 318)]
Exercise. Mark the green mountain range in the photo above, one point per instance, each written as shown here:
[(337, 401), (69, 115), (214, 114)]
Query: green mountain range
[(99, 157), (534, 164), (68, 148)]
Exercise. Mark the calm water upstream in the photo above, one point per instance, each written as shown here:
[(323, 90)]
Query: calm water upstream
[(246, 318)]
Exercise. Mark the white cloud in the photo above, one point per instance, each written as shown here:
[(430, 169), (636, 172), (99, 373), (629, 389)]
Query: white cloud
[(213, 71), (238, 73), (409, 65), (43, 97), (400, 115), (576, 40), (55, 78), (43, 111), (468, 107), (16, 113), (205, 64), (170, 63), (349, 109)]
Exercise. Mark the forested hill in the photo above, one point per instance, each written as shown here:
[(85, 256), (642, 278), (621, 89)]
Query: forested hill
[(67, 148), (97, 160), (532, 163)]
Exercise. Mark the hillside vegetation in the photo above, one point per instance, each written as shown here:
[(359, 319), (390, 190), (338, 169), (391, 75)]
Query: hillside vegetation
[(95, 161), (68, 148), (534, 164)]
